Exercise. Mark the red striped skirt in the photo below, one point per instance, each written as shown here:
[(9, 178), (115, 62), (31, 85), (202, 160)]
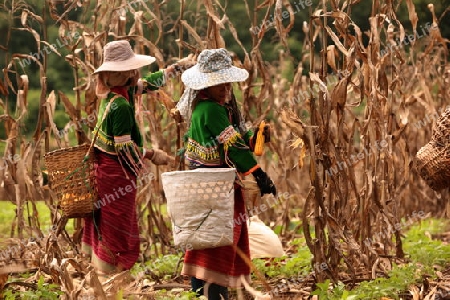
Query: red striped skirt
[(223, 265), (112, 233)]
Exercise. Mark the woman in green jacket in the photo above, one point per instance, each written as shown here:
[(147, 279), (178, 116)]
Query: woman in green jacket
[(215, 141), (111, 235)]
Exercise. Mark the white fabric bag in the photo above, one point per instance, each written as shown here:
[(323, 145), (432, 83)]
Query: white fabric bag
[(264, 242), (200, 204)]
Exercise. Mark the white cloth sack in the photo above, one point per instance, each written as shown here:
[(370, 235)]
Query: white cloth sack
[(200, 204), (264, 242)]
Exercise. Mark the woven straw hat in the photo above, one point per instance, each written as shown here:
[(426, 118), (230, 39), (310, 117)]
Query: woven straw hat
[(214, 66), (118, 56)]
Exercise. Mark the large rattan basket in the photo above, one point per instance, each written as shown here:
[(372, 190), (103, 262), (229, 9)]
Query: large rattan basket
[(71, 177), (433, 164)]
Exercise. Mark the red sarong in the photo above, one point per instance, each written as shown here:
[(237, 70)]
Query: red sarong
[(113, 232), (223, 265)]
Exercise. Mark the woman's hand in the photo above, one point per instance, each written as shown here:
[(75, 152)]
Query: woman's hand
[(140, 87), (159, 157), (265, 184)]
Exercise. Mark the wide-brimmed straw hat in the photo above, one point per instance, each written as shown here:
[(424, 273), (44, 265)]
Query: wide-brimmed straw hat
[(118, 56), (214, 66)]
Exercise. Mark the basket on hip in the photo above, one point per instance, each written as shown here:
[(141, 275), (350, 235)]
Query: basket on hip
[(433, 164), (71, 177), (200, 204)]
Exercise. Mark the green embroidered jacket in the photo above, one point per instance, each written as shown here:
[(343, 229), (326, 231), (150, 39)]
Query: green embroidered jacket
[(214, 142), (119, 133)]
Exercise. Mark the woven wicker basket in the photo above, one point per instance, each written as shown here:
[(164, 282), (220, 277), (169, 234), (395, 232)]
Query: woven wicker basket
[(72, 179), (252, 194), (200, 204), (441, 130), (433, 164)]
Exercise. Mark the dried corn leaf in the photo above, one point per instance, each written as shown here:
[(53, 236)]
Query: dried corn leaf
[(88, 38), (322, 86), (155, 8), (75, 61), (412, 15), (91, 105), (336, 41), (24, 17), (24, 85), (52, 124), (238, 41), (301, 156), (278, 16), (266, 3), (426, 92), (153, 49), (212, 14), (432, 295), (21, 108), (294, 123), (331, 57), (383, 82), (35, 34), (52, 47), (297, 143), (70, 108), (339, 93), (96, 285), (193, 33)]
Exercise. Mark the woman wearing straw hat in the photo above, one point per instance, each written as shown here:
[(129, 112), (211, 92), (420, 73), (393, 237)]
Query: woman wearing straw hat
[(213, 141), (111, 236)]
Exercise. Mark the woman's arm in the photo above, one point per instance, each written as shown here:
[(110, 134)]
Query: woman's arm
[(123, 127), (235, 148), (154, 81)]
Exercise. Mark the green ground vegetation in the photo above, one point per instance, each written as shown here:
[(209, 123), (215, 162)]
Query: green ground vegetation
[(424, 255)]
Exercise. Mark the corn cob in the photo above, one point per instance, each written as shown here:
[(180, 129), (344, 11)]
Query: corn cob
[(259, 144)]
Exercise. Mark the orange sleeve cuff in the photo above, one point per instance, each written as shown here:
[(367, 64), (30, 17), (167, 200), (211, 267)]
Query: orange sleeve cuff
[(251, 170)]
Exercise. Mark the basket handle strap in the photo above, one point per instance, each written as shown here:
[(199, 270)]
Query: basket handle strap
[(107, 109)]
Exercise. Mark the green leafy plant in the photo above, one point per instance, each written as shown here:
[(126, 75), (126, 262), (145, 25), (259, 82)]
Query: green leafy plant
[(292, 265), (322, 289), (164, 266), (424, 254), (422, 249), (171, 295), (48, 291)]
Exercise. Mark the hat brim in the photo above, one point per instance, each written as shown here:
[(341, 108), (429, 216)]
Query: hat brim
[(195, 79), (136, 62)]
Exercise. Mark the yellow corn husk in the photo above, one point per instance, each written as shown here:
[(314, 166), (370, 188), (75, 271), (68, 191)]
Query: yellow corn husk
[(299, 143), (259, 147), (302, 156)]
